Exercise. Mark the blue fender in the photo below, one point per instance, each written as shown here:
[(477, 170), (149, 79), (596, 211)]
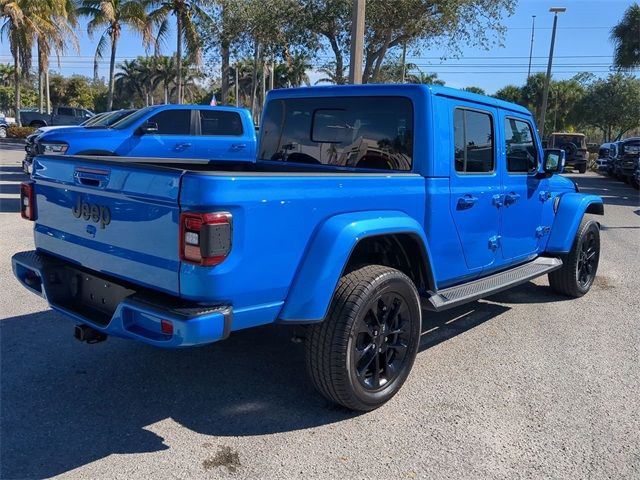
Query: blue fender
[(327, 255), (571, 209)]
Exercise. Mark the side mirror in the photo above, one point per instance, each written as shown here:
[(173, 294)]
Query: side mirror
[(149, 128), (554, 159)]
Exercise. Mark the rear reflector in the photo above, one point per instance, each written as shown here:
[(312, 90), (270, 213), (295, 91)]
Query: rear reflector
[(205, 238), (166, 326), (27, 201)]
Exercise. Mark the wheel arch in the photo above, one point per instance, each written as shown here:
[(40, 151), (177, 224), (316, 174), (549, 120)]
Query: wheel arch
[(347, 241), (569, 213)]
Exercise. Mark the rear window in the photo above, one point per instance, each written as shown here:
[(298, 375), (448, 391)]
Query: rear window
[(560, 140), (355, 132), (214, 122)]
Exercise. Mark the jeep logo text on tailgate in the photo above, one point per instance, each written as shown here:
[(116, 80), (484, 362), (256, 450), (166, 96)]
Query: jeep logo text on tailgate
[(90, 211)]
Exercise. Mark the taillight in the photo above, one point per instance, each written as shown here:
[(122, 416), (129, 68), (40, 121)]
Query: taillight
[(27, 201), (205, 238)]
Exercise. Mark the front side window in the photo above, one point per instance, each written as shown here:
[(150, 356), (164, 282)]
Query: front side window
[(473, 138), (216, 122), (521, 151), (172, 122), (356, 132)]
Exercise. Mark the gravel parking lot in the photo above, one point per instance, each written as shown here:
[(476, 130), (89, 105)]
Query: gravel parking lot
[(525, 384)]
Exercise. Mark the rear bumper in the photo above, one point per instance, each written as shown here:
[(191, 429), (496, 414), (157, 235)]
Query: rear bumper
[(119, 310), (576, 161)]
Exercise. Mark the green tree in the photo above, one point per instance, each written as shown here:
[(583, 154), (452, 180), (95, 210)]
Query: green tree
[(23, 21), (472, 89), (626, 39), (187, 14), (611, 105), (424, 78), (331, 21), (165, 74), (113, 15), (510, 93), (54, 36)]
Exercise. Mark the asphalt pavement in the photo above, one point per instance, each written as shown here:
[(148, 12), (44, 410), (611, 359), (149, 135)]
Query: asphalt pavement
[(525, 384)]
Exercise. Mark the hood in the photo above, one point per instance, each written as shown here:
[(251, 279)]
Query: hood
[(559, 183), (62, 134), (42, 130)]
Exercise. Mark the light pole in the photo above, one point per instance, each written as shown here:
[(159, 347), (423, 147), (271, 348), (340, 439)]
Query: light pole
[(357, 42), (533, 30), (545, 92)]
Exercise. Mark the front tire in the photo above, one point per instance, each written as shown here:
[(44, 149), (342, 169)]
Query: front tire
[(576, 276), (582, 168), (363, 351)]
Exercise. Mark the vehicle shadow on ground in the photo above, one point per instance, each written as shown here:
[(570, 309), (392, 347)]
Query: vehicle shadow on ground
[(612, 191), (64, 404), (10, 178)]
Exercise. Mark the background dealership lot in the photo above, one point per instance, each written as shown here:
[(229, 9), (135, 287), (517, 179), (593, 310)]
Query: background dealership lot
[(523, 384)]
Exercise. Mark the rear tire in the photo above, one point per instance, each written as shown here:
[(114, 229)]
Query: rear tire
[(3, 132), (576, 276), (363, 351)]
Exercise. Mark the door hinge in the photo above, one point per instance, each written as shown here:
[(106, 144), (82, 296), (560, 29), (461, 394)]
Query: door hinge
[(542, 231), (494, 242), (544, 196)]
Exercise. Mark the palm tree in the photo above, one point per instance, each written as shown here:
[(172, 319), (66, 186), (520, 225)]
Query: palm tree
[(6, 74), (424, 78), (187, 14), (114, 15), (23, 21), (331, 73), (164, 72), (626, 39), (298, 66), (62, 15)]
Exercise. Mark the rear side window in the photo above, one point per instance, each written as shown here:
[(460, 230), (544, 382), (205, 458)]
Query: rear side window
[(214, 122), (356, 132), (473, 134), (173, 122), (521, 151), (65, 111)]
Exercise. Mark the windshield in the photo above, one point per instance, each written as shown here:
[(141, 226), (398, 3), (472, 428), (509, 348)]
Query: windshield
[(94, 119), (577, 140), (130, 120), (355, 132), (109, 119)]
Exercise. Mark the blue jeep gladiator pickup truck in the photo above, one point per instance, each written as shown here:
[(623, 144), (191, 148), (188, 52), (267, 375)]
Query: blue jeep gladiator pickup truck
[(367, 207), (165, 131)]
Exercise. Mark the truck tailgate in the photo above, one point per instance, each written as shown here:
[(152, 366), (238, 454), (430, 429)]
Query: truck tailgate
[(115, 218)]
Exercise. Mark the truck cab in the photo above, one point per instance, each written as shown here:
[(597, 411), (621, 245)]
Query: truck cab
[(366, 208), (163, 131)]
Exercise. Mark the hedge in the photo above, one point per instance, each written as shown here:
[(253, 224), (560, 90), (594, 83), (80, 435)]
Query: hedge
[(19, 132)]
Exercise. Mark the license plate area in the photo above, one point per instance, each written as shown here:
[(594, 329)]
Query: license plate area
[(85, 294)]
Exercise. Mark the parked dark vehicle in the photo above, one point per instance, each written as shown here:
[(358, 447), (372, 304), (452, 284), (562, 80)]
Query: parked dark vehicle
[(3, 126), (575, 147), (606, 157), (59, 116), (101, 120), (627, 159), (636, 178)]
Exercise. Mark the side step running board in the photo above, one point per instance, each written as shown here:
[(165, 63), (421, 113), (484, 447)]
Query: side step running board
[(483, 287)]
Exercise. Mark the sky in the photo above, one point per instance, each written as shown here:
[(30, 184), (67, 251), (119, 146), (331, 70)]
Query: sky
[(582, 44)]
